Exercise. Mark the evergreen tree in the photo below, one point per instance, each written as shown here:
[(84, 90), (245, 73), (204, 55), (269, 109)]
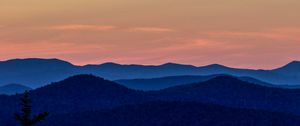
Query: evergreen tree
[(25, 118)]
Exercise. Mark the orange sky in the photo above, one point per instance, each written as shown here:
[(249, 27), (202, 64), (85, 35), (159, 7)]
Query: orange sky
[(248, 33)]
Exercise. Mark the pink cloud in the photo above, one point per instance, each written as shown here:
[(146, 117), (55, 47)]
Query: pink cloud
[(82, 27), (201, 45), (274, 34), (49, 48), (151, 29)]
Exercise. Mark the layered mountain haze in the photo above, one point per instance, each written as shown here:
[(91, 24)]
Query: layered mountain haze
[(166, 82), (82, 94), (38, 72), (149, 63)]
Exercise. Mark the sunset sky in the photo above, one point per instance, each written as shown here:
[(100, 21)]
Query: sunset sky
[(236, 33)]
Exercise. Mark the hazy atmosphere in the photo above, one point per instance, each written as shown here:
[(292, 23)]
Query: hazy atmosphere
[(248, 33)]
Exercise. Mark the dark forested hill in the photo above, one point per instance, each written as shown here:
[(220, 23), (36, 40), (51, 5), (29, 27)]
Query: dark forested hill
[(38, 72), (231, 91), (74, 94), (173, 114), (83, 92)]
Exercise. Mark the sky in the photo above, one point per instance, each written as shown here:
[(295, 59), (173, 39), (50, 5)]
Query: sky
[(260, 34)]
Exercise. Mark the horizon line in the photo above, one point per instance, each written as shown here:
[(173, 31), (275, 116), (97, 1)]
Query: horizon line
[(132, 64)]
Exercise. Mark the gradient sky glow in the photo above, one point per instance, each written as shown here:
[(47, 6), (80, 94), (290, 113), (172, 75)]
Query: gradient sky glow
[(237, 33)]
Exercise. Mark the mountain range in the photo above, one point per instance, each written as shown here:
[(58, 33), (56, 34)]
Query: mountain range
[(166, 82), (84, 97), (35, 73)]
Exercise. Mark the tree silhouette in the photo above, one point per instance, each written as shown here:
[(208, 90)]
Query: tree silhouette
[(25, 118)]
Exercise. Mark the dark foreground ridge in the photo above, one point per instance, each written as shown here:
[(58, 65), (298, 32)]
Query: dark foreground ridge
[(173, 114)]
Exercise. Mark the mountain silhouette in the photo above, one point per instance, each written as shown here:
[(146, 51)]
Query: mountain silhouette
[(84, 92), (38, 72), (230, 91), (166, 82), (74, 94), (35, 72), (291, 69), (11, 89), (173, 114)]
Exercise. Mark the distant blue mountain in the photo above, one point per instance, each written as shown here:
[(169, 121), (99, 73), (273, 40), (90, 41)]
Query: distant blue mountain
[(35, 72), (11, 89), (38, 72), (166, 82), (292, 69)]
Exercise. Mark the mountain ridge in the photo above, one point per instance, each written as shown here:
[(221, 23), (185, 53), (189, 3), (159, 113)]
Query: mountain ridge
[(36, 72), (165, 82)]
